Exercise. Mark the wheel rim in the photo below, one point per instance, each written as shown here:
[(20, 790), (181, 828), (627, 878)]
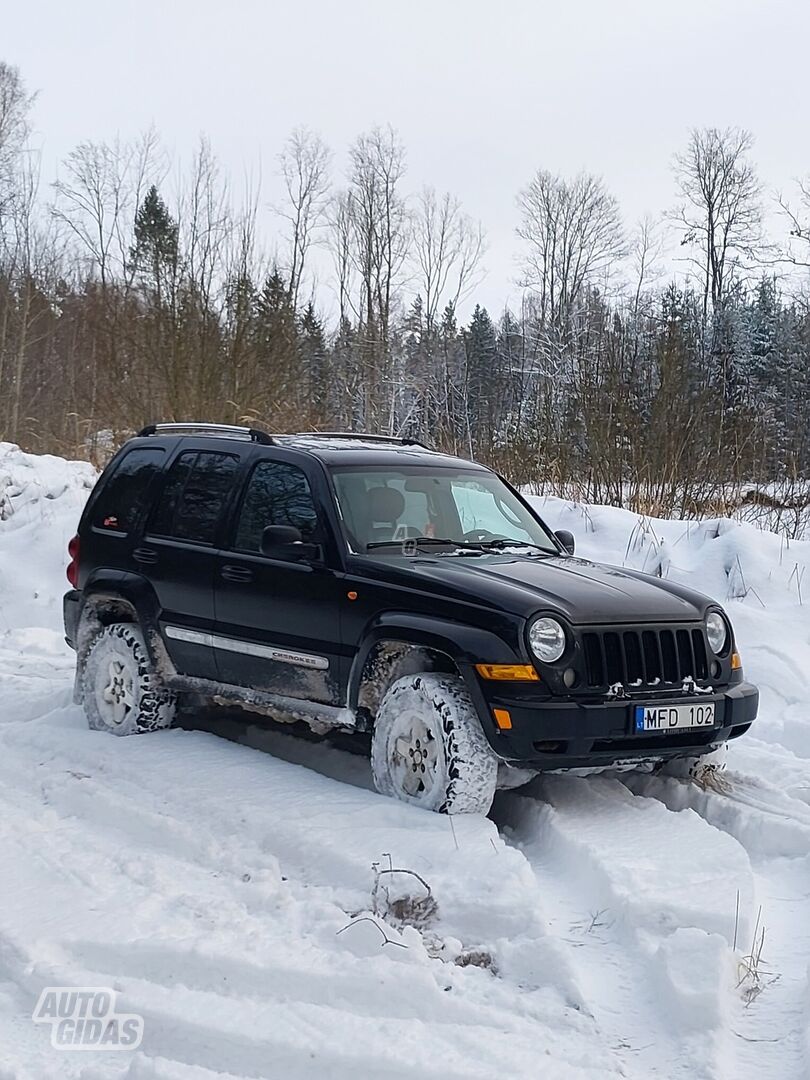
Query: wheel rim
[(414, 756), (116, 698)]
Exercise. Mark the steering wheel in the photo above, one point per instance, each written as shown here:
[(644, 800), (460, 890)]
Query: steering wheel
[(479, 536)]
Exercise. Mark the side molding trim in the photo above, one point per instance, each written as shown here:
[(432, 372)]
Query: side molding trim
[(247, 648)]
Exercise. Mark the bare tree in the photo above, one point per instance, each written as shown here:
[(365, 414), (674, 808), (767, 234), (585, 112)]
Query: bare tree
[(646, 251), (15, 103), (380, 220), (205, 220), (304, 165), (99, 194), (573, 235), (448, 247), (370, 240), (720, 210), (341, 242), (798, 219), (34, 257)]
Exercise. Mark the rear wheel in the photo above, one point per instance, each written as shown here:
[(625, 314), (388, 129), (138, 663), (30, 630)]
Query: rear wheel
[(428, 747), (120, 691)]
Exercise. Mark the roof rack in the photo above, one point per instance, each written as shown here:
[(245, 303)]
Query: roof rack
[(361, 436), (191, 427)]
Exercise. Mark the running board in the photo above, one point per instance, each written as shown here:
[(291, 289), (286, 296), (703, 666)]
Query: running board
[(287, 710)]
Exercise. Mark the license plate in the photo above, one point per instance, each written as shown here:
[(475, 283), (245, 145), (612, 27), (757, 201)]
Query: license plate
[(673, 717)]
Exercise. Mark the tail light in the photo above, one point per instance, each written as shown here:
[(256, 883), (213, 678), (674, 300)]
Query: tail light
[(73, 565)]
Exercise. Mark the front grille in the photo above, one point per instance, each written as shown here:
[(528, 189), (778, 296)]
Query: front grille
[(662, 657)]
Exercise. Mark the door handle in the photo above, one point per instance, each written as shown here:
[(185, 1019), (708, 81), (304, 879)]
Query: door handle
[(145, 555), (236, 573)]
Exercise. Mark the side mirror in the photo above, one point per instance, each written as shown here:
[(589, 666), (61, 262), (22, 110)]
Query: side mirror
[(567, 540), (286, 542)]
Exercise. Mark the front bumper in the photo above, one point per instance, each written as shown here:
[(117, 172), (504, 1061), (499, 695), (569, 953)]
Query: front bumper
[(555, 734)]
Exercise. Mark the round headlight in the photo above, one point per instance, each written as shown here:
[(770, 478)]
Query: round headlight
[(716, 631), (547, 640)]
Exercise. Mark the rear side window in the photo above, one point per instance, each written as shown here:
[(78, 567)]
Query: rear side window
[(123, 496), (197, 486), (277, 494)]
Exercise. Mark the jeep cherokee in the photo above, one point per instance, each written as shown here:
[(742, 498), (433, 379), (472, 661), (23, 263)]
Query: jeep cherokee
[(371, 584)]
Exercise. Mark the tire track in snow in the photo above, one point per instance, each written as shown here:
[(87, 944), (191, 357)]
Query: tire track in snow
[(770, 1031), (147, 840), (644, 901)]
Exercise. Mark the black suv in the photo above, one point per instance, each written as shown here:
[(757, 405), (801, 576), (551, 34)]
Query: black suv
[(370, 584)]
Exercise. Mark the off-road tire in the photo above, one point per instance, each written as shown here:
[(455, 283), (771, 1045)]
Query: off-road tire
[(466, 769), (121, 693)]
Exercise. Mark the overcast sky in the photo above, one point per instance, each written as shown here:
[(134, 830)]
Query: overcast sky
[(482, 93)]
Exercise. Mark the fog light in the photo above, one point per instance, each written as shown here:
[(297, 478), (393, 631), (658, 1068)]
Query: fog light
[(715, 669), (569, 677)]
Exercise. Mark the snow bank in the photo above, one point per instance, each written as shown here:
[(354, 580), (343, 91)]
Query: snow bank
[(760, 577), (590, 928), (41, 499)]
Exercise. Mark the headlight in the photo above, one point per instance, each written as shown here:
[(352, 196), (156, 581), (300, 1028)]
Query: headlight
[(547, 640), (716, 632)]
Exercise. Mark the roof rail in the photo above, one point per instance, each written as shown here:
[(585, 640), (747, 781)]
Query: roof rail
[(192, 427), (361, 436)]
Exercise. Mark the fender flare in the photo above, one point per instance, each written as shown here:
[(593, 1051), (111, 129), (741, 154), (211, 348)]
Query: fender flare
[(465, 645), (138, 593)]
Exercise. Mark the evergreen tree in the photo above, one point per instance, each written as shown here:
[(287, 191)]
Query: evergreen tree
[(314, 360), (277, 346), (481, 352), (153, 254)]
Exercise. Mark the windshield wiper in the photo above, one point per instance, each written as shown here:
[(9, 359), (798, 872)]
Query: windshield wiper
[(424, 540), (514, 543)]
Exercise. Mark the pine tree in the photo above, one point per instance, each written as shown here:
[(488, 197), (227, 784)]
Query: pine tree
[(481, 351), (153, 255), (165, 324), (314, 359), (277, 346)]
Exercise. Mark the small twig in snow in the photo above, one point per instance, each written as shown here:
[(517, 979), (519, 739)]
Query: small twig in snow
[(367, 918)]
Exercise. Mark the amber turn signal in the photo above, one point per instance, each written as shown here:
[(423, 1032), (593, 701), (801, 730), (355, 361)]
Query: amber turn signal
[(736, 661), (508, 672), (502, 719)]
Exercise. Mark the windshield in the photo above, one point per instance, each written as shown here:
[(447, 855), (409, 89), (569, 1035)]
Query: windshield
[(384, 507)]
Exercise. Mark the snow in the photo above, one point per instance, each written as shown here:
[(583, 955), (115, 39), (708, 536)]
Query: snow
[(591, 927)]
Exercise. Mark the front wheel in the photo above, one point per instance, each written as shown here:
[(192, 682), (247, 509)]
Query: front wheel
[(428, 747), (120, 691)]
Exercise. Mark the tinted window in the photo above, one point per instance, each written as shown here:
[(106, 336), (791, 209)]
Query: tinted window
[(196, 489), (277, 494), (124, 495)]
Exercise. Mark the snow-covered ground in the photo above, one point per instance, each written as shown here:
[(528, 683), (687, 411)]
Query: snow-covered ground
[(590, 928)]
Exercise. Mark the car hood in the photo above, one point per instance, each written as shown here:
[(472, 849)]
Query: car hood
[(583, 592)]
